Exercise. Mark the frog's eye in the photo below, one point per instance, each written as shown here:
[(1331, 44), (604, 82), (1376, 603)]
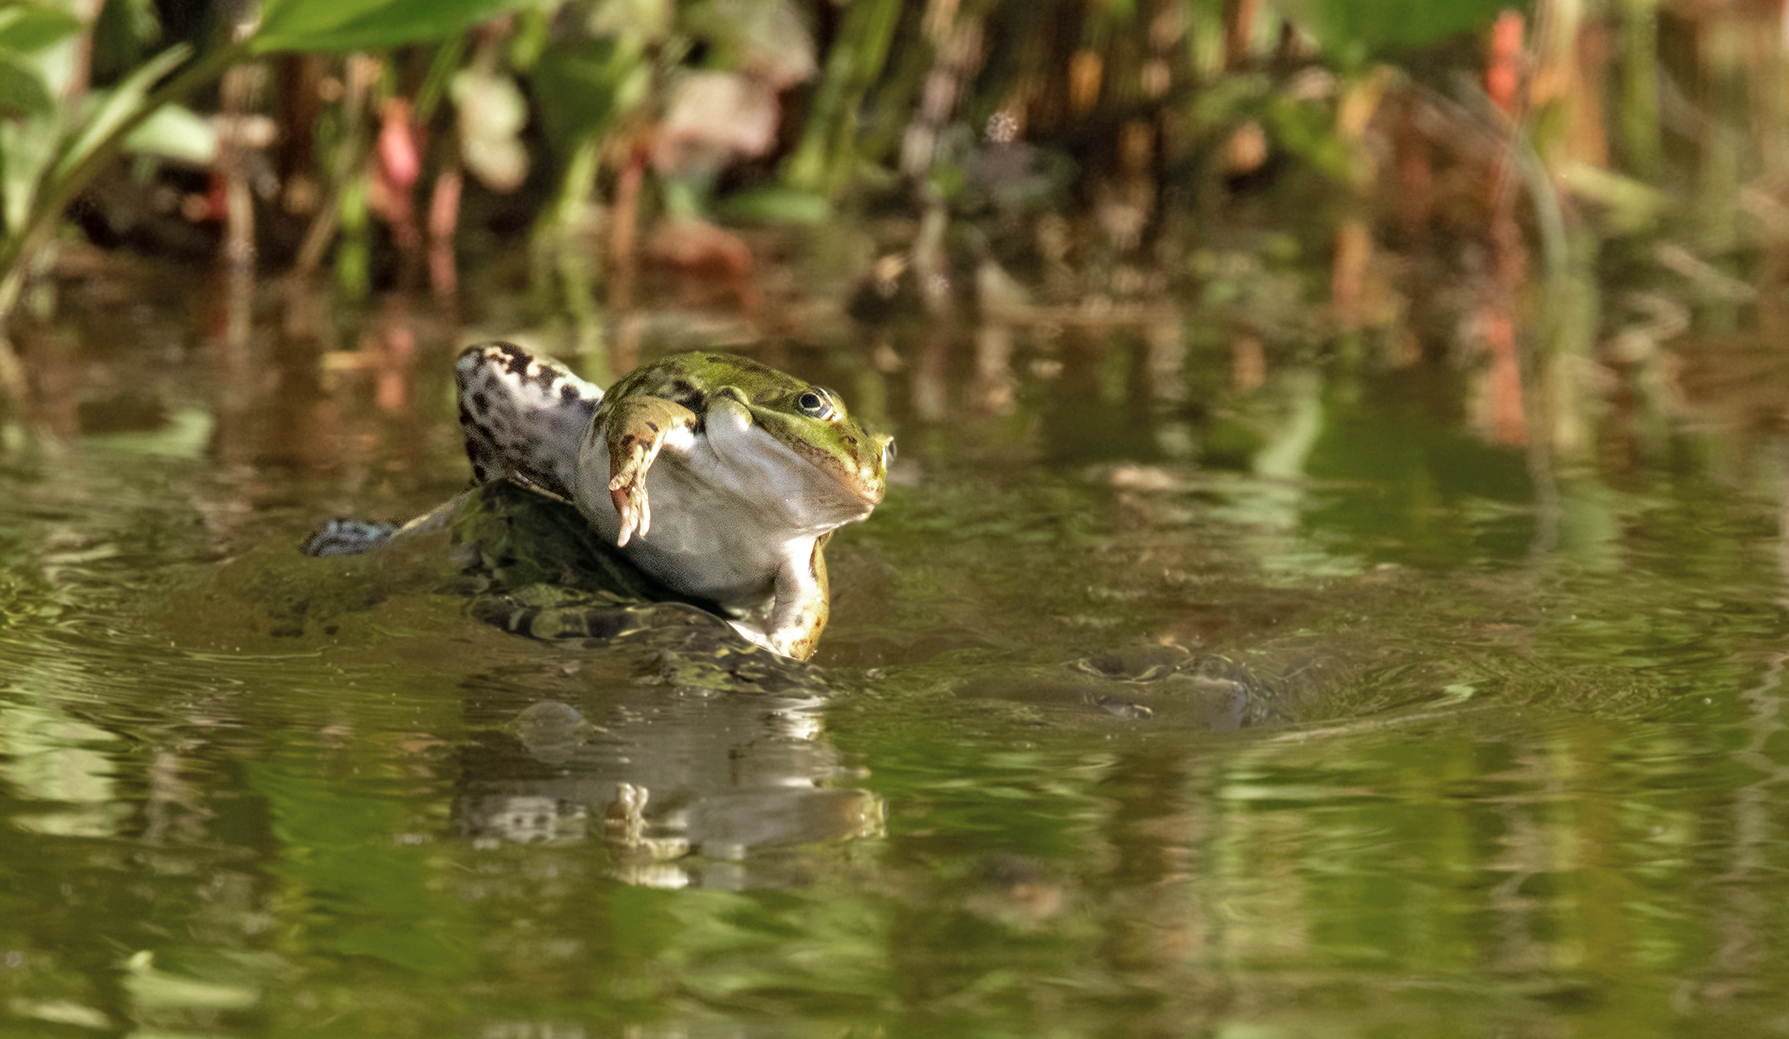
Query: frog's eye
[(888, 453), (816, 403)]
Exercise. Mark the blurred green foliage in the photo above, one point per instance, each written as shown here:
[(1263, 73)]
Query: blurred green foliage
[(993, 107), (337, 26), (1361, 28)]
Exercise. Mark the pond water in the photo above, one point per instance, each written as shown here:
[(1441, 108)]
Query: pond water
[(1174, 690)]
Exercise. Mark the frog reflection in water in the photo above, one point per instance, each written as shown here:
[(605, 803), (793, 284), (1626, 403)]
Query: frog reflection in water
[(717, 476)]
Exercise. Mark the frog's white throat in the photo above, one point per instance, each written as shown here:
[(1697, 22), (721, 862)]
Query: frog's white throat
[(738, 457)]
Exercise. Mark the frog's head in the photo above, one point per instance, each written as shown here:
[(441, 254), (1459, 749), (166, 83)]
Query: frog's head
[(808, 453)]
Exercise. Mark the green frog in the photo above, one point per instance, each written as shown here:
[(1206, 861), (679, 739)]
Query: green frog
[(718, 476)]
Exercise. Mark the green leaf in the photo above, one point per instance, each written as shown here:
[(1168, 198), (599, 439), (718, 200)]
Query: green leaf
[(26, 148), (110, 109), (22, 89), (777, 205), (30, 27), (175, 132), (581, 89), (351, 25), (1376, 26), (126, 32)]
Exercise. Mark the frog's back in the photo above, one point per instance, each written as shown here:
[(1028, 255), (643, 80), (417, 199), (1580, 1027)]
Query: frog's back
[(523, 416)]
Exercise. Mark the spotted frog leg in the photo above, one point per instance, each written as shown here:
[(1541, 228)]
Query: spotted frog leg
[(636, 429)]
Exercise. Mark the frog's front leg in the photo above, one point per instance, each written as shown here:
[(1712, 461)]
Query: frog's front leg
[(635, 429)]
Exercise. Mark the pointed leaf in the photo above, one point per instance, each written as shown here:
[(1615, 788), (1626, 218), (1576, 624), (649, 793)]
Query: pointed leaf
[(26, 148), (22, 89), (113, 107), (29, 27), (351, 25), (175, 132)]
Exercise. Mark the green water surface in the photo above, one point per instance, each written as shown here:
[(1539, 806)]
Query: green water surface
[(1510, 761)]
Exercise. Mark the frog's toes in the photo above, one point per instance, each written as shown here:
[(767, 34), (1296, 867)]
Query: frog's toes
[(633, 455), (628, 491), (635, 512)]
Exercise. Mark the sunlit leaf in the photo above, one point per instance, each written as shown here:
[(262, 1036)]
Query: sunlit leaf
[(1629, 204), (350, 25), (175, 132), (28, 27), (1375, 26), (492, 113), (26, 149), (22, 89)]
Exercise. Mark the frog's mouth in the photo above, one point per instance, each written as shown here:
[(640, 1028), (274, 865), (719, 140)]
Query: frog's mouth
[(815, 488)]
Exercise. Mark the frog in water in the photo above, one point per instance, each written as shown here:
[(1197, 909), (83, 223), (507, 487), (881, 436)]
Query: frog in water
[(718, 476)]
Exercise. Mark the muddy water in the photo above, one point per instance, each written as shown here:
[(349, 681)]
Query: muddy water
[(1168, 693)]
